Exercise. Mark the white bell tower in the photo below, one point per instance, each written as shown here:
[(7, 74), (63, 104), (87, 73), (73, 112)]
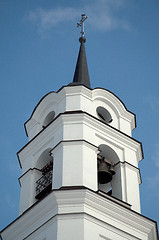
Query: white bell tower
[(80, 177)]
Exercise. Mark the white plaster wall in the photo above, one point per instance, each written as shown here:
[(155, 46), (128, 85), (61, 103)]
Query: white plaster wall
[(131, 156), (28, 186), (89, 134), (72, 130), (97, 230), (27, 191), (118, 184), (80, 98), (26, 162), (90, 167), (29, 157), (57, 155), (47, 139), (75, 164), (86, 104), (61, 106), (125, 126), (73, 102), (71, 228), (132, 187), (33, 127), (45, 232)]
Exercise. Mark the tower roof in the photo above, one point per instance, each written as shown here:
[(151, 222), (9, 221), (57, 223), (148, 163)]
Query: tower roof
[(81, 75)]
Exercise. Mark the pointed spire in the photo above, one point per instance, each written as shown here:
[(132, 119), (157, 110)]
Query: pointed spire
[(81, 75)]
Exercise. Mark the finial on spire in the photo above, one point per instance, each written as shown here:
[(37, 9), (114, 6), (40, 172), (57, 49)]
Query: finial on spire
[(81, 24), (81, 75)]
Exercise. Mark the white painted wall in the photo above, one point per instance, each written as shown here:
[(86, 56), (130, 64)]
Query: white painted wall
[(72, 98), (75, 164), (75, 160)]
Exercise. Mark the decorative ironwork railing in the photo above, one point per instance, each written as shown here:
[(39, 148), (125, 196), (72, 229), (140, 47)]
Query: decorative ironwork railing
[(44, 185)]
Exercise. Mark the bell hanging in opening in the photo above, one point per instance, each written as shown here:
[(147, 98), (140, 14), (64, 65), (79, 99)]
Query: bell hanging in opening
[(104, 176), (111, 170)]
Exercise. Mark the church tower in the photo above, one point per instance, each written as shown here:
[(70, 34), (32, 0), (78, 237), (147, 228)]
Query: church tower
[(80, 177)]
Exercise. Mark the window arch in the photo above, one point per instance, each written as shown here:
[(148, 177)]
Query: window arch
[(108, 153)]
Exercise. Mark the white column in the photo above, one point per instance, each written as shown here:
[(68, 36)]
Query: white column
[(75, 164)]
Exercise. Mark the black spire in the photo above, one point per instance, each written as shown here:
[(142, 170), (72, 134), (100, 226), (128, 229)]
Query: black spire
[(81, 75)]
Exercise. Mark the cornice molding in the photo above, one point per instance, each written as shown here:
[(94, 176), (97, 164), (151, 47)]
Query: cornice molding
[(92, 122), (80, 202)]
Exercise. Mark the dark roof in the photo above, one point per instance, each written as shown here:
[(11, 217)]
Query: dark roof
[(81, 75)]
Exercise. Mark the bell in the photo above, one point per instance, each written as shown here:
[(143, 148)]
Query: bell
[(111, 170), (104, 176)]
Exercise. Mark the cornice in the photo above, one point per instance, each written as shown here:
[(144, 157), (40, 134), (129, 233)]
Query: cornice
[(80, 202), (109, 131), (88, 119)]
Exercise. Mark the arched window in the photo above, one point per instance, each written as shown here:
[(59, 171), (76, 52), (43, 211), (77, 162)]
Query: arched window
[(106, 160), (44, 183), (108, 153), (49, 118), (104, 115)]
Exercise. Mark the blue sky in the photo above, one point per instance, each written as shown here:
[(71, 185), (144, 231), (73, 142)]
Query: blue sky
[(39, 47)]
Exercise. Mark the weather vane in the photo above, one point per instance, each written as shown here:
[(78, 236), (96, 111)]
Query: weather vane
[(81, 24)]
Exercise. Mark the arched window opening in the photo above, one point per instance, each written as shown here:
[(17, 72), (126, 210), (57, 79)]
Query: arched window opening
[(104, 115), (106, 160), (44, 183), (49, 118), (105, 170)]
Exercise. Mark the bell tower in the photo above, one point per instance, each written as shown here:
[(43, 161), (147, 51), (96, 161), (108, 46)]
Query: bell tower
[(80, 177)]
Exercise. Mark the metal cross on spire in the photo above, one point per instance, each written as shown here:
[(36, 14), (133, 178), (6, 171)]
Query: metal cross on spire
[(81, 24)]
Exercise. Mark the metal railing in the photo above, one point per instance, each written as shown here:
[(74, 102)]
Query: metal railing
[(43, 185)]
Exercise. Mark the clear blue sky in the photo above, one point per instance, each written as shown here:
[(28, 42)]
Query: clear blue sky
[(39, 47)]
